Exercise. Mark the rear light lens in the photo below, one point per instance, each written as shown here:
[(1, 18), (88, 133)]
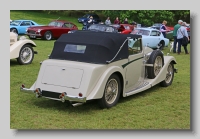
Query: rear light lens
[(80, 94), (23, 86)]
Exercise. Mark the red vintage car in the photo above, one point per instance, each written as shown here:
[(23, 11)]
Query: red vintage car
[(124, 28), (54, 30)]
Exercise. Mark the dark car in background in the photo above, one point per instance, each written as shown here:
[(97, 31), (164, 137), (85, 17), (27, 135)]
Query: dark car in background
[(86, 17)]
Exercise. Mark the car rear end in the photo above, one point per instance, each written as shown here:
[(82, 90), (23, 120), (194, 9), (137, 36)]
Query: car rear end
[(66, 80)]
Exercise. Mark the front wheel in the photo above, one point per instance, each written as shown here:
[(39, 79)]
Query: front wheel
[(26, 55), (111, 93), (169, 76)]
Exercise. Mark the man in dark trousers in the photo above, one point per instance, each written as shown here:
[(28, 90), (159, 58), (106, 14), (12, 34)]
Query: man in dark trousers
[(176, 27)]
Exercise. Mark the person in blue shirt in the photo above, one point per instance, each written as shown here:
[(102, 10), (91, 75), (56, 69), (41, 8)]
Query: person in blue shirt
[(180, 33), (163, 28)]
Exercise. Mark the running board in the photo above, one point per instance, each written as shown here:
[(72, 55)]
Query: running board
[(142, 85)]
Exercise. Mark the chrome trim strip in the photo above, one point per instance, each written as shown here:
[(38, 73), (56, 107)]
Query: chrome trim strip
[(27, 90)]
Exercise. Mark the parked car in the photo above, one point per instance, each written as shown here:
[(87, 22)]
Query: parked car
[(158, 25), (98, 28), (153, 38), (20, 26), (86, 17), (21, 49), (124, 28), (53, 31), (100, 66)]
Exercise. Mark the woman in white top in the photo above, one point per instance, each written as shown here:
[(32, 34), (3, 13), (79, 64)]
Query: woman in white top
[(108, 22), (180, 33)]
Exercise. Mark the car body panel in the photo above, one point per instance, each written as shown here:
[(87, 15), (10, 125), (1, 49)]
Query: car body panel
[(16, 45), (151, 37), (79, 73), (22, 25), (60, 27)]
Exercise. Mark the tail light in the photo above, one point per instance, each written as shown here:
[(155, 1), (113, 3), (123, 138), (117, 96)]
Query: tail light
[(23, 86), (80, 94)]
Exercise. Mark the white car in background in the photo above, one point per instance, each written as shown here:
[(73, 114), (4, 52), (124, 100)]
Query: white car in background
[(21, 49), (153, 38)]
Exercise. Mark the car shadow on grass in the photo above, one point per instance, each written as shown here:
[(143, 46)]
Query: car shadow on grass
[(13, 62), (58, 105), (91, 105)]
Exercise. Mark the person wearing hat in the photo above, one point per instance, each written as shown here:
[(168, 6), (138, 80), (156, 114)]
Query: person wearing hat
[(176, 27), (181, 32)]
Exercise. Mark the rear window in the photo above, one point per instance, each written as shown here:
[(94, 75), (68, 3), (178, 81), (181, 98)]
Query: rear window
[(72, 48)]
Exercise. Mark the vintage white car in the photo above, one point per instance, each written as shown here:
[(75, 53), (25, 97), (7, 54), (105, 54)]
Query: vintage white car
[(21, 49), (152, 37), (98, 65)]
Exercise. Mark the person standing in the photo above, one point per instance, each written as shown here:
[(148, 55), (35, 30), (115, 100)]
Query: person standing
[(176, 27), (181, 32), (117, 21), (163, 28), (126, 21), (108, 22)]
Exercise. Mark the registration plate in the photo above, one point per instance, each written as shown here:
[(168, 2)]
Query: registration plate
[(31, 36)]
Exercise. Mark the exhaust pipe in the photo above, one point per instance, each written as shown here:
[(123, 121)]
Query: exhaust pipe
[(77, 104)]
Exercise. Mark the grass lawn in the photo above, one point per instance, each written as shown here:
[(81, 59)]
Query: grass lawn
[(156, 108)]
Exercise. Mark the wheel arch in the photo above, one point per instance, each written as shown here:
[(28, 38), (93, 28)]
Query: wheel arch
[(98, 91), (14, 28)]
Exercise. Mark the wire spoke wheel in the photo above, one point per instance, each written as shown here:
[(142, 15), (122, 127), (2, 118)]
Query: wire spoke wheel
[(169, 73), (169, 76), (111, 91), (26, 55)]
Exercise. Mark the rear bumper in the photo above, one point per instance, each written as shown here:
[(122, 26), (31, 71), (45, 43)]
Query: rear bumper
[(60, 97)]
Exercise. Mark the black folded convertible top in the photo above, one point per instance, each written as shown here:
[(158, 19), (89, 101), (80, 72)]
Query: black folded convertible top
[(99, 46)]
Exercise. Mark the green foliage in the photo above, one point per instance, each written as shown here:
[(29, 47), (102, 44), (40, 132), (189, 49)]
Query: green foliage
[(147, 17), (156, 108)]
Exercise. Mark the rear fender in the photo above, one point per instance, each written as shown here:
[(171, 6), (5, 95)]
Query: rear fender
[(98, 91)]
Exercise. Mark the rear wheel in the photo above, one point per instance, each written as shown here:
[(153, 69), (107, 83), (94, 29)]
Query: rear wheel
[(161, 45), (26, 55), (111, 93)]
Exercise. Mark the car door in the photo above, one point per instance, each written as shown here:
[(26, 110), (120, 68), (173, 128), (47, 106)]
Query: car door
[(153, 38), (23, 26), (135, 67), (57, 30)]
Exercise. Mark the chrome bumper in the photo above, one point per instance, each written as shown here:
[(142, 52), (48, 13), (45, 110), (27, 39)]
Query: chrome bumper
[(62, 98)]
